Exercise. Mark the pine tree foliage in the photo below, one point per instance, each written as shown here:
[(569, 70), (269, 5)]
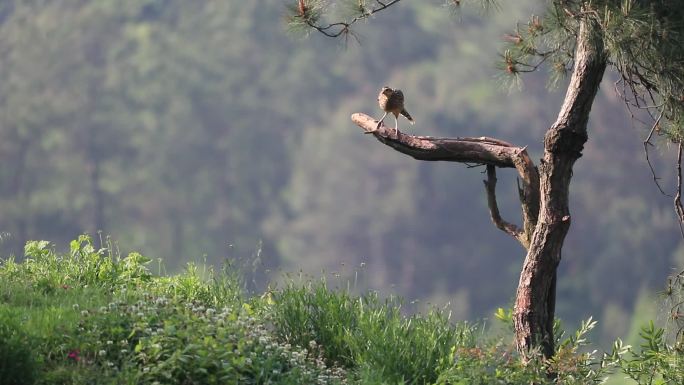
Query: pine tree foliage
[(674, 295), (643, 41)]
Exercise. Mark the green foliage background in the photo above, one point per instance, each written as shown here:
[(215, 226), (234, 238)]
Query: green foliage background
[(201, 129)]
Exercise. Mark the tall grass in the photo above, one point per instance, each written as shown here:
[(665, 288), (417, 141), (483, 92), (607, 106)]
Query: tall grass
[(368, 333)]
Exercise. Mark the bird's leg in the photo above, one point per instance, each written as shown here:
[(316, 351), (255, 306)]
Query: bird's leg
[(380, 121), (396, 126)]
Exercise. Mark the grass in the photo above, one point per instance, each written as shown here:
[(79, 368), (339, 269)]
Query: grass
[(368, 333), (92, 317)]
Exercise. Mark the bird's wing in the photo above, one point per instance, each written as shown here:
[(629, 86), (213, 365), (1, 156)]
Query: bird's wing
[(398, 94)]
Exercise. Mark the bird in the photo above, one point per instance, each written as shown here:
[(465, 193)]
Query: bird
[(391, 100)]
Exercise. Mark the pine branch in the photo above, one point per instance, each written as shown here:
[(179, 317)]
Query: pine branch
[(312, 19)]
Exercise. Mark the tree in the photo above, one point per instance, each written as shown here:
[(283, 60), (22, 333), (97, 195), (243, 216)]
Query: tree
[(638, 39)]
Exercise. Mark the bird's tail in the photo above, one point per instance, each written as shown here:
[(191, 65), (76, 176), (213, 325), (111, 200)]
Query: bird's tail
[(408, 116)]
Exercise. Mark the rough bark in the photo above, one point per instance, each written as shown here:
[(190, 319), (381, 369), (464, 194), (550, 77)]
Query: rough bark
[(482, 151), (563, 145)]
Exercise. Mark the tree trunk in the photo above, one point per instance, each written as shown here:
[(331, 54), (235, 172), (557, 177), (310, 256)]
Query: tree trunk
[(563, 144)]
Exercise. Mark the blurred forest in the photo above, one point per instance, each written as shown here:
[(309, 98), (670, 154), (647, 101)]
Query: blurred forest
[(203, 130)]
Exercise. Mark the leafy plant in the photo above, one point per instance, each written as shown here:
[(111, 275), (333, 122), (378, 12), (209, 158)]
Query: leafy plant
[(657, 362)]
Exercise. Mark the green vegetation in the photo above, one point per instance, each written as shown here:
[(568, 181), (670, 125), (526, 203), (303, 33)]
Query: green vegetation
[(90, 316), (186, 129)]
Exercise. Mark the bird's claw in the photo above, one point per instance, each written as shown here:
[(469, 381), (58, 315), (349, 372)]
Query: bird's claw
[(376, 128)]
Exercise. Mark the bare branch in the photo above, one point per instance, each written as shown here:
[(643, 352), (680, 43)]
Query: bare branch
[(647, 142), (678, 198), (533, 67), (481, 151), (501, 224)]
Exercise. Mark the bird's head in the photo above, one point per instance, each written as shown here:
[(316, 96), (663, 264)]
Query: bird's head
[(386, 91)]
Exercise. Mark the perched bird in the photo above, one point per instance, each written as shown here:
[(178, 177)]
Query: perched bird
[(393, 101)]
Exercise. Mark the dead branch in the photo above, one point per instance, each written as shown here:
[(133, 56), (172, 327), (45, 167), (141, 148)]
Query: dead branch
[(500, 223), (678, 198), (481, 150), (647, 142), (463, 150)]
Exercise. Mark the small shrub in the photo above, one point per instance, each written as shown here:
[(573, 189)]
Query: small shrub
[(499, 363), (660, 359), (84, 265), (172, 341)]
